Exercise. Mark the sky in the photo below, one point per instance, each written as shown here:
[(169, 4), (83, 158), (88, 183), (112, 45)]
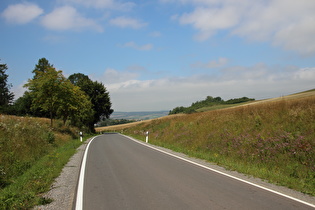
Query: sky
[(154, 55)]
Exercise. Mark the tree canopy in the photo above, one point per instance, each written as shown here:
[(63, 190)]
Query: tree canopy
[(6, 97), (51, 92), (209, 101), (98, 95), (42, 66), (77, 99)]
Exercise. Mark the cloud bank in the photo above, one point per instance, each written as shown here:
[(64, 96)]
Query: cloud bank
[(21, 13), (259, 81), (66, 17), (287, 24)]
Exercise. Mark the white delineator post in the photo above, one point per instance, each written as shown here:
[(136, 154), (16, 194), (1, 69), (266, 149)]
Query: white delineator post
[(81, 135), (147, 137)]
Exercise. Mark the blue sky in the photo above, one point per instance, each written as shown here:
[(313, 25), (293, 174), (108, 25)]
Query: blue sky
[(156, 55)]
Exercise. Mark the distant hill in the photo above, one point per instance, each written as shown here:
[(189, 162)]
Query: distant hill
[(138, 115), (210, 103)]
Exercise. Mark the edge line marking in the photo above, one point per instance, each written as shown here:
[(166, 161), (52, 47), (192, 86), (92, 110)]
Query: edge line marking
[(79, 199)]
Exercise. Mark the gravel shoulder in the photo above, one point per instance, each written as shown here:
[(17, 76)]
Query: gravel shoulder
[(63, 190)]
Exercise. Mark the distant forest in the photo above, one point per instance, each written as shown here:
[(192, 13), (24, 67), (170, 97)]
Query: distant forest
[(209, 101)]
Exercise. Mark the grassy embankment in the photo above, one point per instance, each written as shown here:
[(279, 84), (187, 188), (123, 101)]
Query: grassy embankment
[(273, 139), (32, 155)]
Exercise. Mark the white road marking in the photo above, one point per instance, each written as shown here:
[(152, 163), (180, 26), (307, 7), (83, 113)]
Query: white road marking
[(222, 173), (79, 201)]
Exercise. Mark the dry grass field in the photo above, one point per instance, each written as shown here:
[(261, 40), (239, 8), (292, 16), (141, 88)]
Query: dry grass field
[(129, 125)]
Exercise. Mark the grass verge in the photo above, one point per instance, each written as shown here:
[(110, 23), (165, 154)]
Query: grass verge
[(32, 156), (25, 192)]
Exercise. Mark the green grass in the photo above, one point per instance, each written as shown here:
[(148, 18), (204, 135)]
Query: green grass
[(32, 156), (274, 141), (25, 192)]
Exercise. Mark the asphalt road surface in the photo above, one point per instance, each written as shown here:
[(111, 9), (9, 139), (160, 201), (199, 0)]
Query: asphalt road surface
[(123, 174)]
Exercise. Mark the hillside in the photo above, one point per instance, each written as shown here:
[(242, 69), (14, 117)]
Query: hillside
[(271, 139), (211, 103), (295, 96)]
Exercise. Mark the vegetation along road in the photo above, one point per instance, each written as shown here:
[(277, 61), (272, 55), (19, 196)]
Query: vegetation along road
[(121, 173)]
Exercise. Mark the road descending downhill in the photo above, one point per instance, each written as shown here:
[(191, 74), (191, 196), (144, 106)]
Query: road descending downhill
[(120, 173)]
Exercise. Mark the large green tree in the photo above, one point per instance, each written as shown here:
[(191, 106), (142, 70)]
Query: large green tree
[(23, 104), (45, 90), (52, 92), (98, 95), (6, 97), (75, 105)]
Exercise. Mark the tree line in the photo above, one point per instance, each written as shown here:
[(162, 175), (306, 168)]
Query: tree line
[(209, 101), (77, 100)]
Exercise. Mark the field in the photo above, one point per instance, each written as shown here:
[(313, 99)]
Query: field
[(272, 139)]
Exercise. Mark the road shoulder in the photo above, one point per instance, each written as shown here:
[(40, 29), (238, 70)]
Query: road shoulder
[(63, 190)]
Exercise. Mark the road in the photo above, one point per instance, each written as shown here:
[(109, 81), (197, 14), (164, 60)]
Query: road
[(122, 174)]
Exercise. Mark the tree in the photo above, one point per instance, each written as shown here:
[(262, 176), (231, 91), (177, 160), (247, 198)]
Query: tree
[(50, 91), (98, 95), (75, 105), (6, 97), (22, 106), (45, 89), (42, 65), (79, 79)]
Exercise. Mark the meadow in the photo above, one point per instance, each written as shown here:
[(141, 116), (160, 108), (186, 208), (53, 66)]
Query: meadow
[(32, 155), (273, 140)]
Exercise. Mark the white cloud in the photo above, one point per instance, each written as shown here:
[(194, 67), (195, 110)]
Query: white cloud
[(145, 47), (21, 13), (211, 64), (298, 36), (102, 4), (208, 20), (287, 24), (67, 18), (307, 74), (113, 76), (92, 3), (19, 90), (125, 22), (129, 93)]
